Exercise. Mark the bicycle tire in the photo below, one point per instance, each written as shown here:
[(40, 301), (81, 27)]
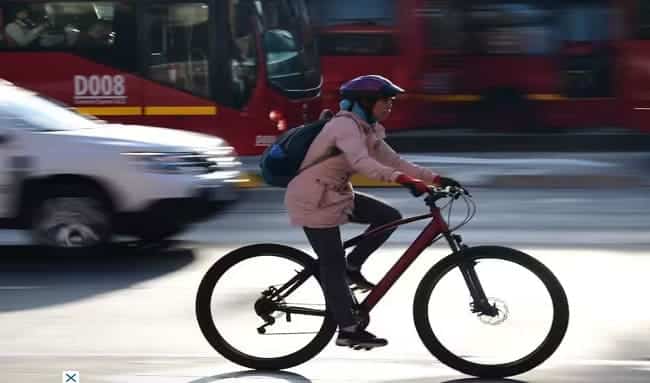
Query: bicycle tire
[(217, 341), (551, 342)]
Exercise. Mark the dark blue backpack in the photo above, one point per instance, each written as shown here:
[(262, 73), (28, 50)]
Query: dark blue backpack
[(281, 161)]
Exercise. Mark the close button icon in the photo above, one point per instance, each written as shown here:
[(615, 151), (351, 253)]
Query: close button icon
[(71, 377)]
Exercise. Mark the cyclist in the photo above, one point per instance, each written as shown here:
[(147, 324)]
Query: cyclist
[(320, 197)]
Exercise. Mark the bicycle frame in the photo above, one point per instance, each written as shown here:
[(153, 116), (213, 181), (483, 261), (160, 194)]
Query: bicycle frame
[(438, 226), (427, 237)]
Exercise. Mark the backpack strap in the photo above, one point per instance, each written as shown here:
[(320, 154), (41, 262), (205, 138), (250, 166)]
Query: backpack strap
[(330, 153)]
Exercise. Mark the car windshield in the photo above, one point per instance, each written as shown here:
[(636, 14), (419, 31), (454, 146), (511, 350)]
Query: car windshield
[(40, 113)]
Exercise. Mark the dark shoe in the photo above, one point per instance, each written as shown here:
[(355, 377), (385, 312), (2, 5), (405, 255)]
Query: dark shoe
[(359, 339), (357, 281)]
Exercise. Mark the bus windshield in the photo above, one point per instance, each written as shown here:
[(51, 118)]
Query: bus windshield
[(292, 61)]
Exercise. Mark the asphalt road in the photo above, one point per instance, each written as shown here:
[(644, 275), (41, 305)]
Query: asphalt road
[(128, 315), (608, 218)]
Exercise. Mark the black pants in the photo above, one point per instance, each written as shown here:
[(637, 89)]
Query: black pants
[(328, 246)]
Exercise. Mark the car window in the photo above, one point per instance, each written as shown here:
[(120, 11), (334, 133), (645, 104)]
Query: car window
[(39, 113)]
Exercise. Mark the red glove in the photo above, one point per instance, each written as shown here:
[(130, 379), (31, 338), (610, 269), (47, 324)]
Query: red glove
[(416, 186)]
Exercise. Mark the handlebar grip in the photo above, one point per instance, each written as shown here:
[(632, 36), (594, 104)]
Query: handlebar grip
[(414, 191)]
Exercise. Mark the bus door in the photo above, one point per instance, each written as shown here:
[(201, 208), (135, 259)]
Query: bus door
[(589, 35), (508, 63), (221, 67), (634, 63), (433, 42), (179, 39)]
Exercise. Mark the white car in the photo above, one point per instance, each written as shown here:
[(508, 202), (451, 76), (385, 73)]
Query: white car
[(75, 181)]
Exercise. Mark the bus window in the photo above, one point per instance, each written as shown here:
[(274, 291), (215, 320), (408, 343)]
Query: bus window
[(27, 26), (587, 28), (98, 31), (644, 20), (178, 35), (443, 23), (360, 28), (587, 22), (243, 59), (357, 43), (2, 30), (332, 12), (501, 27), (292, 61)]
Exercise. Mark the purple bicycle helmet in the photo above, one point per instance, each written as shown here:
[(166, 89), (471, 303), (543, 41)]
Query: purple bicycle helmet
[(372, 86)]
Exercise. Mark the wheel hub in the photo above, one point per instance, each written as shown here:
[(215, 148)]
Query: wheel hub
[(501, 315), (264, 307), (76, 235), (70, 222)]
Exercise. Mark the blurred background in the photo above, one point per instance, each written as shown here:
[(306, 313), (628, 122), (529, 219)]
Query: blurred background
[(539, 107)]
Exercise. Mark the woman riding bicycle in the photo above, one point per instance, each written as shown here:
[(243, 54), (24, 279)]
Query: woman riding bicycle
[(320, 197)]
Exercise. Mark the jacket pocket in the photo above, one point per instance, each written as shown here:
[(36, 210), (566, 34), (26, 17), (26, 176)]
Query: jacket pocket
[(304, 194)]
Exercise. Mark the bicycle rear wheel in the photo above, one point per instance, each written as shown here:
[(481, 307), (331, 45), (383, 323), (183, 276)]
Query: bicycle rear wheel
[(528, 325), (243, 300)]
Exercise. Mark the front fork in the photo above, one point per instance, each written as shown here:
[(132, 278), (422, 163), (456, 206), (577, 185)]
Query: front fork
[(480, 303)]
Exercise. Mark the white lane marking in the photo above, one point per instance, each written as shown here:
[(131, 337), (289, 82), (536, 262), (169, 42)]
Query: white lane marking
[(22, 287)]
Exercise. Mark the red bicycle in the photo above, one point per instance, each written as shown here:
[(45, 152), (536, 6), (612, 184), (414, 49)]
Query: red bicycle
[(486, 311)]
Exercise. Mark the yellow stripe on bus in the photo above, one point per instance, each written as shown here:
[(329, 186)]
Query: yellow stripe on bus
[(545, 97), (180, 110), (111, 110), (212, 110), (148, 110)]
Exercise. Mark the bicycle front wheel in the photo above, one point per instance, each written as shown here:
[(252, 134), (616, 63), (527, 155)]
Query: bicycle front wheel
[(262, 307), (522, 325)]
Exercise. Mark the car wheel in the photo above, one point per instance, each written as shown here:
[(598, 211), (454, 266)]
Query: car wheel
[(71, 220)]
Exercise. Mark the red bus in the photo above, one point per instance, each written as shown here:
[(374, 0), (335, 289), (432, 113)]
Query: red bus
[(496, 64), (213, 66)]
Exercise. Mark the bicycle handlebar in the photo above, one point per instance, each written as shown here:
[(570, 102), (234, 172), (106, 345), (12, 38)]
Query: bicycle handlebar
[(436, 193), (454, 192)]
